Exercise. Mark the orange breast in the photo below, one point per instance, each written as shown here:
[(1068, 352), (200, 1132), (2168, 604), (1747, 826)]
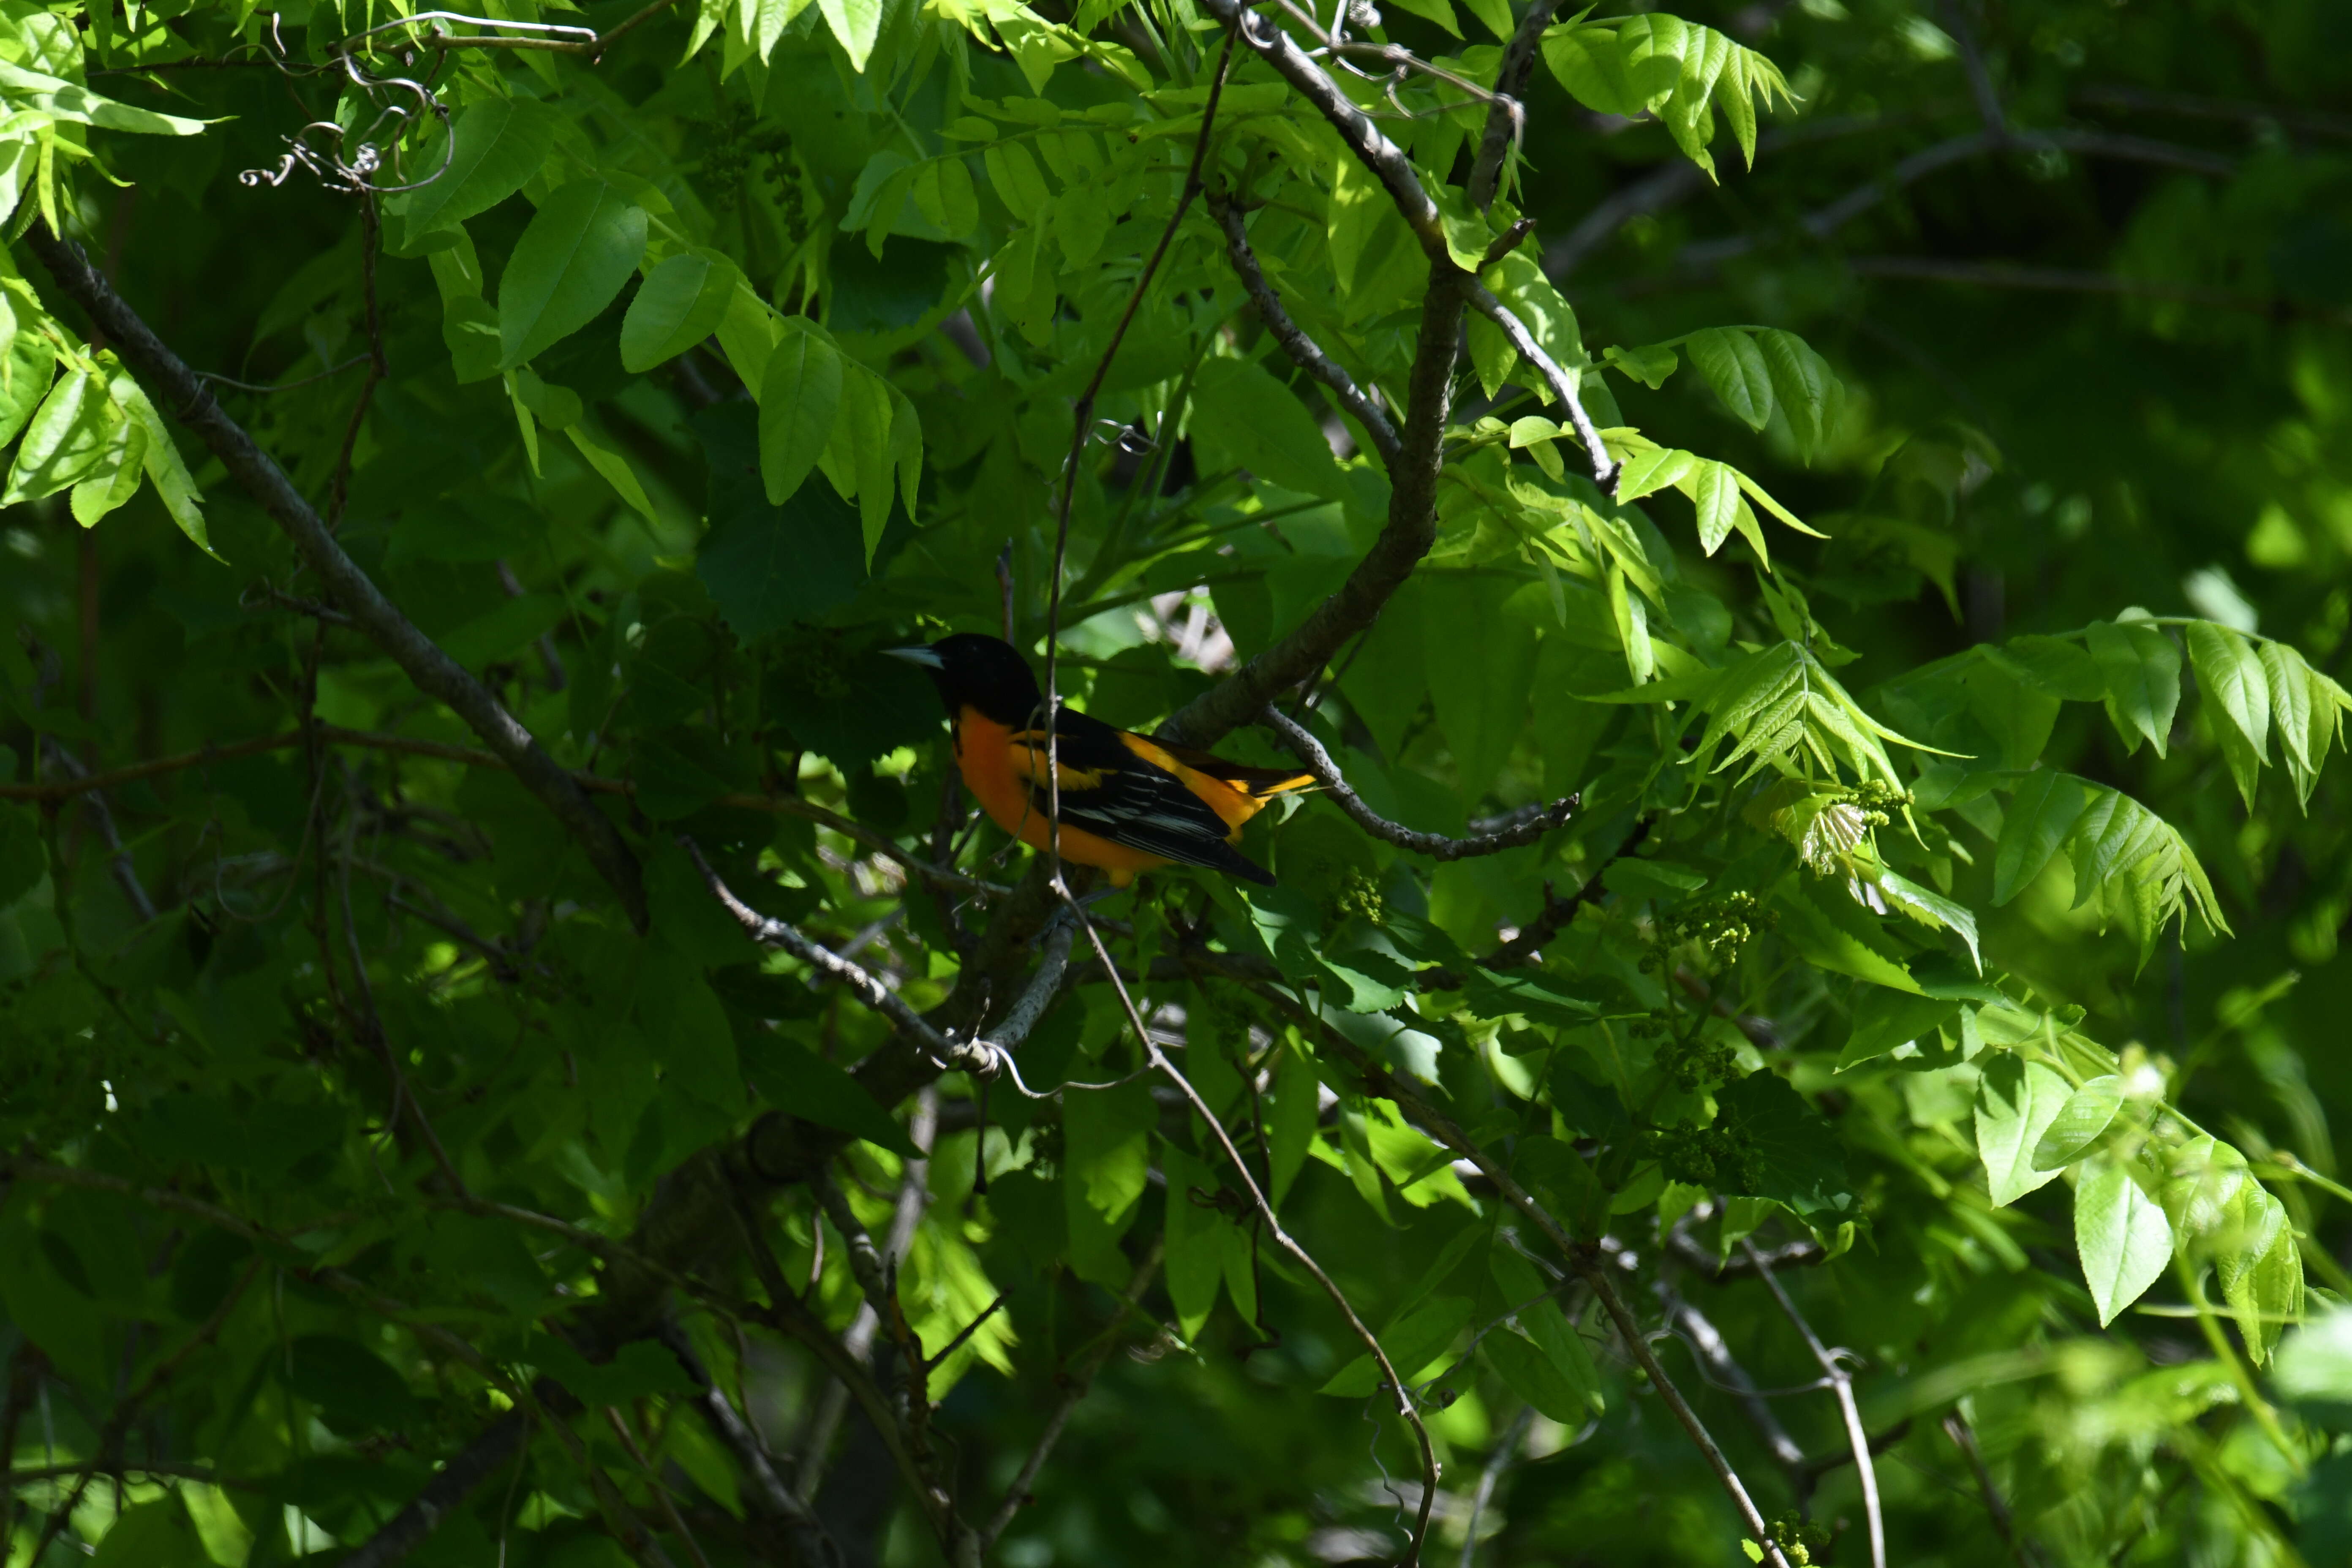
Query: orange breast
[(984, 756)]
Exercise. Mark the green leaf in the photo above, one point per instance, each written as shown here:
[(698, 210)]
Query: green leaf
[(1196, 1250), (1788, 1152), (1019, 183), (1714, 490), (1884, 1019), (2113, 834), (2259, 1268), (1105, 1165), (24, 371), (572, 258), (159, 1533), (615, 470), (165, 470), (116, 478), (2289, 678), (1602, 73), (863, 427), (70, 101), (1573, 1383), (800, 399), (767, 567), (2120, 1236), (2016, 1102), (1931, 908), (856, 24), (678, 307), (2141, 668), (67, 441), (1481, 665), (2315, 1367), (794, 1079), (1736, 369), (2080, 1124), (1247, 418), (23, 857), (1291, 1126), (1415, 1339), (500, 144), (1527, 1371), (1807, 390), (2041, 814), (2237, 689)]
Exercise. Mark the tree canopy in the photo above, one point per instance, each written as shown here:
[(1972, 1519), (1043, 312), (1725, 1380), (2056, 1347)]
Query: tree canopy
[(1804, 544)]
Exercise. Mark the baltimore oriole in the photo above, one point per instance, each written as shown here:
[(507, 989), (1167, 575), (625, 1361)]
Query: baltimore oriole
[(1129, 803)]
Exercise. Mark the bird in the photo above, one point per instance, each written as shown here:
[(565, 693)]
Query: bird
[(1129, 803)]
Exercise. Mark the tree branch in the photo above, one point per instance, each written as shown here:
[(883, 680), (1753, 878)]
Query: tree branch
[(1303, 350), (1436, 846), (1507, 116), (438, 676), (1411, 525)]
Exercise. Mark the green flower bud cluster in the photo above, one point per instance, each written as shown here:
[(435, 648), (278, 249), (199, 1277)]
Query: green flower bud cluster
[(1717, 1156), (1722, 926), (1360, 897), (1799, 1540)]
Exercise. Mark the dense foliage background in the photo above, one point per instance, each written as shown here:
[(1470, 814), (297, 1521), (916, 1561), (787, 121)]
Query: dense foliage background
[(1902, 1086)]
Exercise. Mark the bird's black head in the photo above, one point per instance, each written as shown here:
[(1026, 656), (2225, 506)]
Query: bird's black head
[(981, 672)]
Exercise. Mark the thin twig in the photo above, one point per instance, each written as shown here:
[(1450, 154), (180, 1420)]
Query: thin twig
[(1956, 1428), (231, 381), (1082, 421), (175, 385), (1436, 846), (109, 1437), (614, 1418), (1507, 1450), (1411, 525), (1436, 1125), (126, 872), (475, 757), (1273, 1229), (764, 1491), (1075, 1383), (1842, 1382), (1303, 350)]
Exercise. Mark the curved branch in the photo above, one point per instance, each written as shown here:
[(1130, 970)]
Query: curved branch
[(175, 386), (1302, 349), (1405, 538), (1436, 846), (862, 982), (1411, 525), (1562, 383), (1372, 147)]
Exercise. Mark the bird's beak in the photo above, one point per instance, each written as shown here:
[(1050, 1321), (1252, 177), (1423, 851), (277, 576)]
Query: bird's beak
[(927, 657)]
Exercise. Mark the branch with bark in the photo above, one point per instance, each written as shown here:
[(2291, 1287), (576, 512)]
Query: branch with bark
[(1303, 350), (1518, 835)]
